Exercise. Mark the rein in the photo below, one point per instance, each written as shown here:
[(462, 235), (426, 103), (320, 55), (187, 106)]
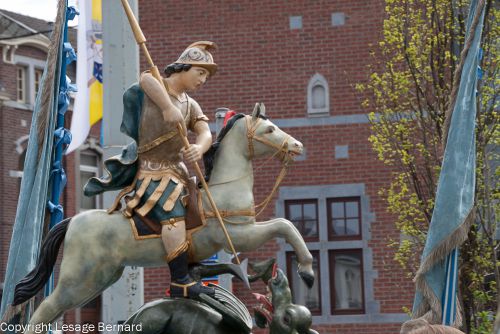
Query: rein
[(285, 160)]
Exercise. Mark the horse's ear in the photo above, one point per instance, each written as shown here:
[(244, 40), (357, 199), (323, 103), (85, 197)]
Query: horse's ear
[(256, 111), (262, 109), (259, 109)]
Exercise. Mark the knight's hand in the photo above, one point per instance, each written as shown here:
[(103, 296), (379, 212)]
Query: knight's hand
[(192, 154)]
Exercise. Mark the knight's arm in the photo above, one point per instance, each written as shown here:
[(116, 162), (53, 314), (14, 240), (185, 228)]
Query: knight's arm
[(198, 124), (203, 136), (200, 128), (154, 90), (203, 141)]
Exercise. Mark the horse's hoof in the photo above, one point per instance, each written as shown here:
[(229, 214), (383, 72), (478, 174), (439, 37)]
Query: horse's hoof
[(307, 278)]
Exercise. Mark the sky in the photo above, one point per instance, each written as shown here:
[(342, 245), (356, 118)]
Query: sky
[(42, 9)]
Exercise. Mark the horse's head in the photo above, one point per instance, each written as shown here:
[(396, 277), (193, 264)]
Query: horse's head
[(265, 138), (252, 136)]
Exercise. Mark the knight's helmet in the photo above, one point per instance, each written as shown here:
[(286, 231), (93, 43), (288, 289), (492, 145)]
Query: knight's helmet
[(197, 54)]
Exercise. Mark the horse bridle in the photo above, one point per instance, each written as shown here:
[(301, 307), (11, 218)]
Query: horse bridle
[(251, 136), (286, 159)]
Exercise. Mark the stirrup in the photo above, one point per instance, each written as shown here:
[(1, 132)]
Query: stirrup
[(184, 287), (190, 290)]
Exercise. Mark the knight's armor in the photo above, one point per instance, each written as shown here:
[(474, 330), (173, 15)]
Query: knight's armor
[(160, 183)]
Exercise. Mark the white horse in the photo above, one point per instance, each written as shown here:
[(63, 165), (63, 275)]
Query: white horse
[(98, 245)]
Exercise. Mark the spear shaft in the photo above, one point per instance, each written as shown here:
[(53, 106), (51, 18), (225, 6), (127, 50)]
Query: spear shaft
[(141, 41)]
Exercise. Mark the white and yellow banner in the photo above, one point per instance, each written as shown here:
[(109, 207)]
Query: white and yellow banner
[(88, 102)]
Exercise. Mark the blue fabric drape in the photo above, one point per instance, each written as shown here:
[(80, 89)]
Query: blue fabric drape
[(40, 165), (455, 191)]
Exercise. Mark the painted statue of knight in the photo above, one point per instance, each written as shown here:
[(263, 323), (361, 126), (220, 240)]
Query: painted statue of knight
[(150, 172)]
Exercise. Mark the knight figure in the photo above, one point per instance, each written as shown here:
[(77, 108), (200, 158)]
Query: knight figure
[(150, 172)]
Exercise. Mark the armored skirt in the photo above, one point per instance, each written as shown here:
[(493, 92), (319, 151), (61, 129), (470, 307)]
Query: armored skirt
[(160, 195)]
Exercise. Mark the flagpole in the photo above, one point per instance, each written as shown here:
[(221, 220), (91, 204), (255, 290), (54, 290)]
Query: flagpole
[(450, 291), (62, 136)]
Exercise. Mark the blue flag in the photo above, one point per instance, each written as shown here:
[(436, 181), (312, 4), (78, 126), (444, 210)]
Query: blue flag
[(38, 166), (455, 192)]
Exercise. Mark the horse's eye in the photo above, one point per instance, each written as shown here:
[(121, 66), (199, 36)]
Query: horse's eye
[(270, 129)]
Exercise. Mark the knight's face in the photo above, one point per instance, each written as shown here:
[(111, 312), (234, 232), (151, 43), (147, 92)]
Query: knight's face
[(194, 78)]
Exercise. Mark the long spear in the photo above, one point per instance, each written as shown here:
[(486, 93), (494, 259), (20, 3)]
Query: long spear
[(141, 40)]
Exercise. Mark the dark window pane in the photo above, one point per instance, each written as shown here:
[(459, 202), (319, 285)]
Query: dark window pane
[(295, 212), (309, 211), (301, 294), (352, 209), (87, 203), (88, 160), (303, 215), (339, 227), (310, 228), (338, 210), (345, 218), (352, 226), (348, 278)]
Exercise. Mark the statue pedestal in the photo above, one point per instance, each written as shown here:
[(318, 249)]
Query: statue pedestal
[(122, 299)]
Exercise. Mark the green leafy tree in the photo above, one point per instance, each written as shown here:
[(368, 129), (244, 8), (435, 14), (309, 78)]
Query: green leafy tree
[(407, 95)]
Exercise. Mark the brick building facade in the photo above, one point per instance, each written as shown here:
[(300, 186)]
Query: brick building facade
[(301, 58)]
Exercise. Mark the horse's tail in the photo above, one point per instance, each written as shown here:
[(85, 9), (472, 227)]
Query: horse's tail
[(36, 279)]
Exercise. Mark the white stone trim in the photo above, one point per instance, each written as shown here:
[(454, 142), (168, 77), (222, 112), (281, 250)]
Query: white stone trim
[(318, 80), (30, 64), (16, 173), (10, 46)]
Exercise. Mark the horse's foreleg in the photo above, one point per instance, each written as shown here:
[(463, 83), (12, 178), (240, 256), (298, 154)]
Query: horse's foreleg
[(250, 237)]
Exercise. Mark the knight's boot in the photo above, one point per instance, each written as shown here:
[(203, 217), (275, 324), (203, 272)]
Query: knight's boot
[(182, 285)]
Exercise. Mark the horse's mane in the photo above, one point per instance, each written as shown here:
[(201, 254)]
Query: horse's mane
[(208, 157)]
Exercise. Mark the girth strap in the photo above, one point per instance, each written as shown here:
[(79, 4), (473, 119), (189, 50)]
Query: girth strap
[(231, 213)]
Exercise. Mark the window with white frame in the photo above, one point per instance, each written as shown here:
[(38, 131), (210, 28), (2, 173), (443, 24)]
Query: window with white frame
[(90, 162), (334, 221), (318, 97), (29, 72), (21, 86), (38, 79)]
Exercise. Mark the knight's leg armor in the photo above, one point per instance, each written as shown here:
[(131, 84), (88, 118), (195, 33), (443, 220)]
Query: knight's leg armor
[(182, 284)]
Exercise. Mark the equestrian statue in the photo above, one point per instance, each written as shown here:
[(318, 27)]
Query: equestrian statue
[(160, 216), (98, 244)]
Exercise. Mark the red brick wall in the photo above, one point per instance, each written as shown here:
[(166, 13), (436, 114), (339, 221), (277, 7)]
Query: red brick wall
[(261, 59), (32, 53)]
